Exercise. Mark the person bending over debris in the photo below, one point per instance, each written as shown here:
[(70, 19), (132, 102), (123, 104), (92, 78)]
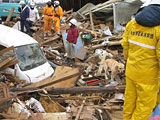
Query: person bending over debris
[(24, 15), (72, 37), (57, 16), (48, 16), (141, 48), (33, 14)]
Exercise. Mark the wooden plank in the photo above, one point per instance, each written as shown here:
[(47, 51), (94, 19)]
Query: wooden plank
[(69, 11), (101, 5), (50, 40), (70, 82), (6, 99), (88, 89), (115, 43), (51, 106), (6, 50), (81, 15), (39, 116), (91, 31), (109, 44), (55, 79), (15, 116), (69, 18), (10, 15), (10, 64), (80, 110), (5, 61), (50, 53), (56, 116), (91, 19)]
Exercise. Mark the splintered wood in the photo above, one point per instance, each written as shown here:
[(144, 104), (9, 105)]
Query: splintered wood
[(7, 57), (79, 88), (57, 78)]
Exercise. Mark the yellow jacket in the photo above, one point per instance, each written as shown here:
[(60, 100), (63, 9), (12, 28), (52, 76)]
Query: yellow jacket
[(59, 12), (49, 11), (141, 48)]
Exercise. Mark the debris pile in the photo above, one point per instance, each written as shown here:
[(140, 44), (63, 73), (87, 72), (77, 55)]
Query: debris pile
[(91, 88)]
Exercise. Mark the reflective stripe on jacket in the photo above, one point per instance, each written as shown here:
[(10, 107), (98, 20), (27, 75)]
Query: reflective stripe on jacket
[(24, 13), (141, 48), (72, 35)]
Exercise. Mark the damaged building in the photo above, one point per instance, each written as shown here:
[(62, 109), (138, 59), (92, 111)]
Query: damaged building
[(38, 83)]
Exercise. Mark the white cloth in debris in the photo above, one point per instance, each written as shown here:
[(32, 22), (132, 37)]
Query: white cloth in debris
[(35, 104)]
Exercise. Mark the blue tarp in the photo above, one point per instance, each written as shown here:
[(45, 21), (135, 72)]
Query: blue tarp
[(78, 45), (156, 111)]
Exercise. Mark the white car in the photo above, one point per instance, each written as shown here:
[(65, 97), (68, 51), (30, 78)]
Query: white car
[(33, 65)]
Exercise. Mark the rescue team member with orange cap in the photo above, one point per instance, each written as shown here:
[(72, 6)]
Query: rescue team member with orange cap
[(141, 48), (57, 16), (48, 16)]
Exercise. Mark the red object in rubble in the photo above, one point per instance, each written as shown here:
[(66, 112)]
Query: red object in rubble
[(92, 81)]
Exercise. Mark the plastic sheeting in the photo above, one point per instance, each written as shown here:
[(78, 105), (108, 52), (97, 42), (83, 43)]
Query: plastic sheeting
[(78, 45)]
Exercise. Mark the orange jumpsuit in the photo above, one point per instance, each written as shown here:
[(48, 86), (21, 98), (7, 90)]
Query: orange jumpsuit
[(48, 16), (57, 17)]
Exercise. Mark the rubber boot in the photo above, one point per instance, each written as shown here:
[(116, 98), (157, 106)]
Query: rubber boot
[(73, 61), (67, 60)]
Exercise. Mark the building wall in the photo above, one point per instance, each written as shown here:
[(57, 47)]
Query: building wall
[(77, 4)]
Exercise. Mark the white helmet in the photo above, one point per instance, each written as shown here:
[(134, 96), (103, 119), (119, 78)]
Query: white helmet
[(155, 2), (56, 3), (73, 21), (22, 2), (150, 2), (32, 4)]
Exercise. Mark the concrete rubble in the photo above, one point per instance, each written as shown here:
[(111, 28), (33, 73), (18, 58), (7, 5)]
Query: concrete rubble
[(77, 91)]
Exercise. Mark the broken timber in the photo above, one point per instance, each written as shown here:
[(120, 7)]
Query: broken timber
[(112, 43), (69, 11), (55, 79), (91, 31), (91, 19), (50, 40), (10, 15), (74, 90), (79, 90)]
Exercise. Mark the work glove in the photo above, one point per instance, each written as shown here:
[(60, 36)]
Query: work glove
[(27, 19), (74, 45), (52, 21), (67, 42), (61, 21)]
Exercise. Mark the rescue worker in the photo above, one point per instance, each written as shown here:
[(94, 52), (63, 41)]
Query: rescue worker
[(72, 37), (48, 17), (149, 16), (34, 15), (57, 16), (24, 15), (141, 48)]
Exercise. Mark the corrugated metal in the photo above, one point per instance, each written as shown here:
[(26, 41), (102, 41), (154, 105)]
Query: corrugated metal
[(123, 12)]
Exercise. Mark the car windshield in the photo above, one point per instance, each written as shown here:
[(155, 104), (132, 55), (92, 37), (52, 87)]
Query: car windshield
[(30, 56), (15, 1)]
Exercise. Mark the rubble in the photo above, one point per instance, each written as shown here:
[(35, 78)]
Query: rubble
[(74, 91)]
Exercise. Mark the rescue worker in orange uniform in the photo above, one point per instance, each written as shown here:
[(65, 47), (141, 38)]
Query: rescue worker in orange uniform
[(48, 17), (141, 48), (57, 16)]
